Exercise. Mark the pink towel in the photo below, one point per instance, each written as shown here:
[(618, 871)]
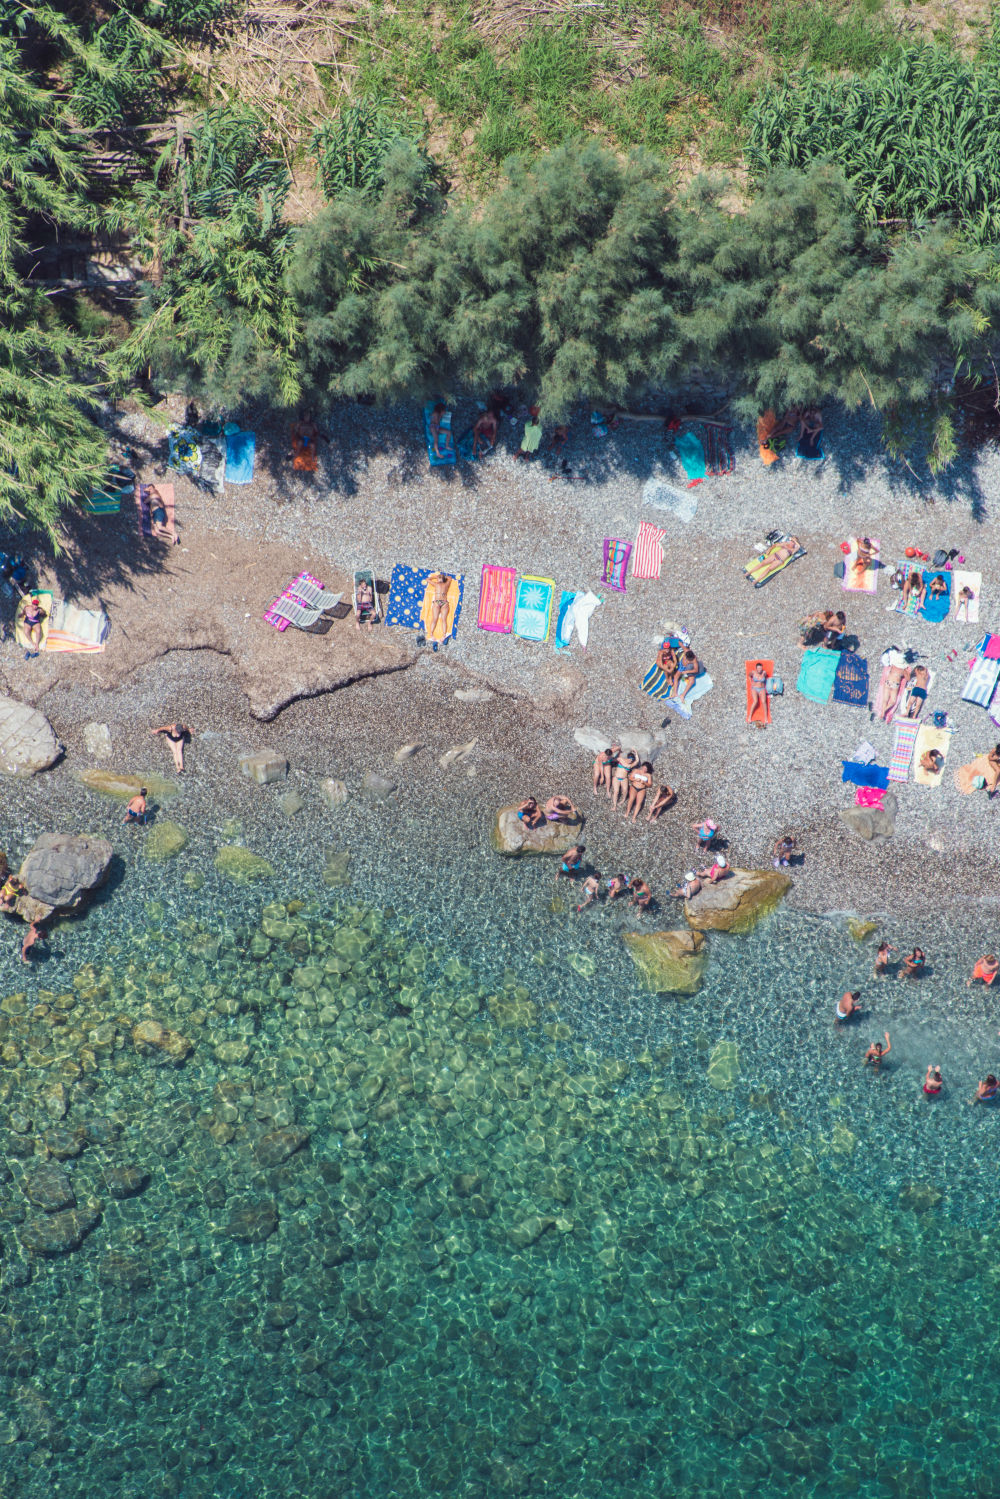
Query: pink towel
[(647, 558), (868, 796), (616, 555), (288, 593), (496, 598)]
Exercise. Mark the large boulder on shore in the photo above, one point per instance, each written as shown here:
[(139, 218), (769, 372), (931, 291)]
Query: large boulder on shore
[(27, 743), (872, 822), (511, 837), (668, 962), (737, 903), (60, 869)]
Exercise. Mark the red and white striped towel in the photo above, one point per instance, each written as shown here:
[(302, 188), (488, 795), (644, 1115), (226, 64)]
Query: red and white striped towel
[(647, 559)]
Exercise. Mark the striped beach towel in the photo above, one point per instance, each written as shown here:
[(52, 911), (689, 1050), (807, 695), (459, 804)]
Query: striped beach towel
[(982, 683), (496, 598), (648, 556), (904, 739), (616, 555)]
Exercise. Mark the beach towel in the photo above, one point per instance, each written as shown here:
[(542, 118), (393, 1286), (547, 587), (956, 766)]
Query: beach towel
[(446, 625), (616, 555), (903, 740), (719, 457), (665, 496), (575, 609), (850, 683), (968, 611), (964, 775), (982, 682), (856, 774), (533, 608), (44, 597), (858, 579), (757, 718), (647, 559), (74, 629), (654, 683), (816, 675), (496, 598), (930, 738), (690, 450), (150, 497), (811, 448), (989, 647), (532, 438), (765, 426), (183, 450), (936, 609), (702, 683), (905, 567), (869, 796), (108, 499), (446, 442), (762, 569), (241, 448), (277, 613)]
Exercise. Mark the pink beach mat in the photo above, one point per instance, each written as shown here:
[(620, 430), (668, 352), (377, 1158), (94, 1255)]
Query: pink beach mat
[(496, 598)]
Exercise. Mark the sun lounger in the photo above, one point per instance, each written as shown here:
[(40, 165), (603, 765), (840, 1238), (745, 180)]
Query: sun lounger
[(858, 579), (302, 615), (967, 612), (903, 740), (616, 555), (496, 598), (446, 442), (44, 597), (647, 557), (927, 739), (279, 617), (982, 682), (762, 569), (935, 609), (533, 608), (754, 717), (371, 613)]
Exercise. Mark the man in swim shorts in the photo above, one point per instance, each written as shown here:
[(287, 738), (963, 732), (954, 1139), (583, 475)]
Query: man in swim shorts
[(571, 861), (848, 1005), (919, 682), (136, 809)]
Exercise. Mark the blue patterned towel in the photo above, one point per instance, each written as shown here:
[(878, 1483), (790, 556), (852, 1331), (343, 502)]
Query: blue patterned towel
[(407, 587), (850, 685)]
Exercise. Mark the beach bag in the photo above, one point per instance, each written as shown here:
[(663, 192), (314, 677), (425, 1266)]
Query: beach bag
[(941, 558), (979, 783), (774, 686)]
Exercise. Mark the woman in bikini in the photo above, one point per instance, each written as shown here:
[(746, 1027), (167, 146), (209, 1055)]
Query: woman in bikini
[(619, 781), (987, 1090), (914, 965), (877, 1053), (639, 783), (664, 798), (758, 693), (617, 885), (882, 960), (32, 619), (913, 585), (603, 766), (591, 890), (896, 678), (176, 735), (773, 560), (666, 660), (641, 894), (364, 604), (985, 970)]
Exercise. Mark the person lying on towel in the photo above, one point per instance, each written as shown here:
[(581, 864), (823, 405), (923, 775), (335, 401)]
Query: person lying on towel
[(932, 761), (919, 682), (484, 433), (440, 583), (773, 560)]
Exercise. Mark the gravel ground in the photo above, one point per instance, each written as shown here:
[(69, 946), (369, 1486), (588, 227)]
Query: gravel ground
[(375, 502)]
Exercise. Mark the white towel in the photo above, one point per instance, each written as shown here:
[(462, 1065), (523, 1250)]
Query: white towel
[(581, 609), (970, 611)]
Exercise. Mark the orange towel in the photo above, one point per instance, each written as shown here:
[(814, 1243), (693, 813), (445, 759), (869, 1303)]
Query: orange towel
[(305, 459), (445, 622), (769, 668), (765, 426)]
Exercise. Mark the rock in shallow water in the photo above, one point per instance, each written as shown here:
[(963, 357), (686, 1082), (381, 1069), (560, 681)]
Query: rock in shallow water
[(150, 1036), (264, 766), (125, 1181), (27, 743), (251, 1222), (49, 1188), (239, 864), (278, 1144), (333, 792), (512, 838), (736, 904), (670, 962), (62, 867), (164, 840), (58, 1233), (124, 786)]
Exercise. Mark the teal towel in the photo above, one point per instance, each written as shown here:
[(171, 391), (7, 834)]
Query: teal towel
[(816, 675), (689, 449)]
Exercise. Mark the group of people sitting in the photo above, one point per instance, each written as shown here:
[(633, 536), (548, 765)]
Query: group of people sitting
[(622, 774), (617, 885), (558, 808), (679, 668), (774, 433), (824, 627)]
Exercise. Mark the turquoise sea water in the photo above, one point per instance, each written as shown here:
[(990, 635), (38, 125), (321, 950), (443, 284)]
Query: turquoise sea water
[(441, 1203)]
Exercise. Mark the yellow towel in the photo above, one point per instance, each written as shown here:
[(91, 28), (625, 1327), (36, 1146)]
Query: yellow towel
[(445, 625), (930, 738)]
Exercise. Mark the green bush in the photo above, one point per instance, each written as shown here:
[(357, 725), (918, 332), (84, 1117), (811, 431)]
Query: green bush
[(918, 138), (352, 148), (123, 79)]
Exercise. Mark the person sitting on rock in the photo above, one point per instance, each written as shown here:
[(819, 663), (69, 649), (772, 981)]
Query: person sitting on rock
[(530, 813), (720, 870), (687, 888), (559, 808), (11, 889), (136, 809)]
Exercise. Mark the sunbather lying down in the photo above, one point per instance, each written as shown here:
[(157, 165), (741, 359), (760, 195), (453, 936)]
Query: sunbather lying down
[(773, 560)]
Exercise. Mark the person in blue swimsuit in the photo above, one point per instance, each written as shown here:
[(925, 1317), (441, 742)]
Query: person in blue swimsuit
[(571, 861), (986, 1091), (530, 813)]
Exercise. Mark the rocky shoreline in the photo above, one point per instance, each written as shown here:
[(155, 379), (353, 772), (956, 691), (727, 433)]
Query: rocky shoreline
[(188, 641)]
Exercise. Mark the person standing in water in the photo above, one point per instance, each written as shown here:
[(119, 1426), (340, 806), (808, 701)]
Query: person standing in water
[(32, 935), (877, 1053), (933, 1082), (882, 959), (591, 890), (177, 736), (848, 1005)]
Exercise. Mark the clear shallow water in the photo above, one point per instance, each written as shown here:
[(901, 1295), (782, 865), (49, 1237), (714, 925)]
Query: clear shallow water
[(528, 1247)]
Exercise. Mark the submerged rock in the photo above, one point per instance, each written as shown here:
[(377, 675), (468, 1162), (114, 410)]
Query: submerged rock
[(62, 867), (290, 802), (125, 1268), (457, 753), (512, 838), (164, 840), (49, 1188), (253, 1221), (264, 766), (736, 904), (724, 1066), (58, 1233), (376, 786), (337, 869), (278, 1144), (333, 792), (97, 740), (241, 865), (671, 962), (124, 786), (861, 930), (27, 743), (125, 1181), (150, 1036), (406, 752)]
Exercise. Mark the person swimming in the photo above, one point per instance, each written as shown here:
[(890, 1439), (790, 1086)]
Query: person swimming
[(987, 1090)]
